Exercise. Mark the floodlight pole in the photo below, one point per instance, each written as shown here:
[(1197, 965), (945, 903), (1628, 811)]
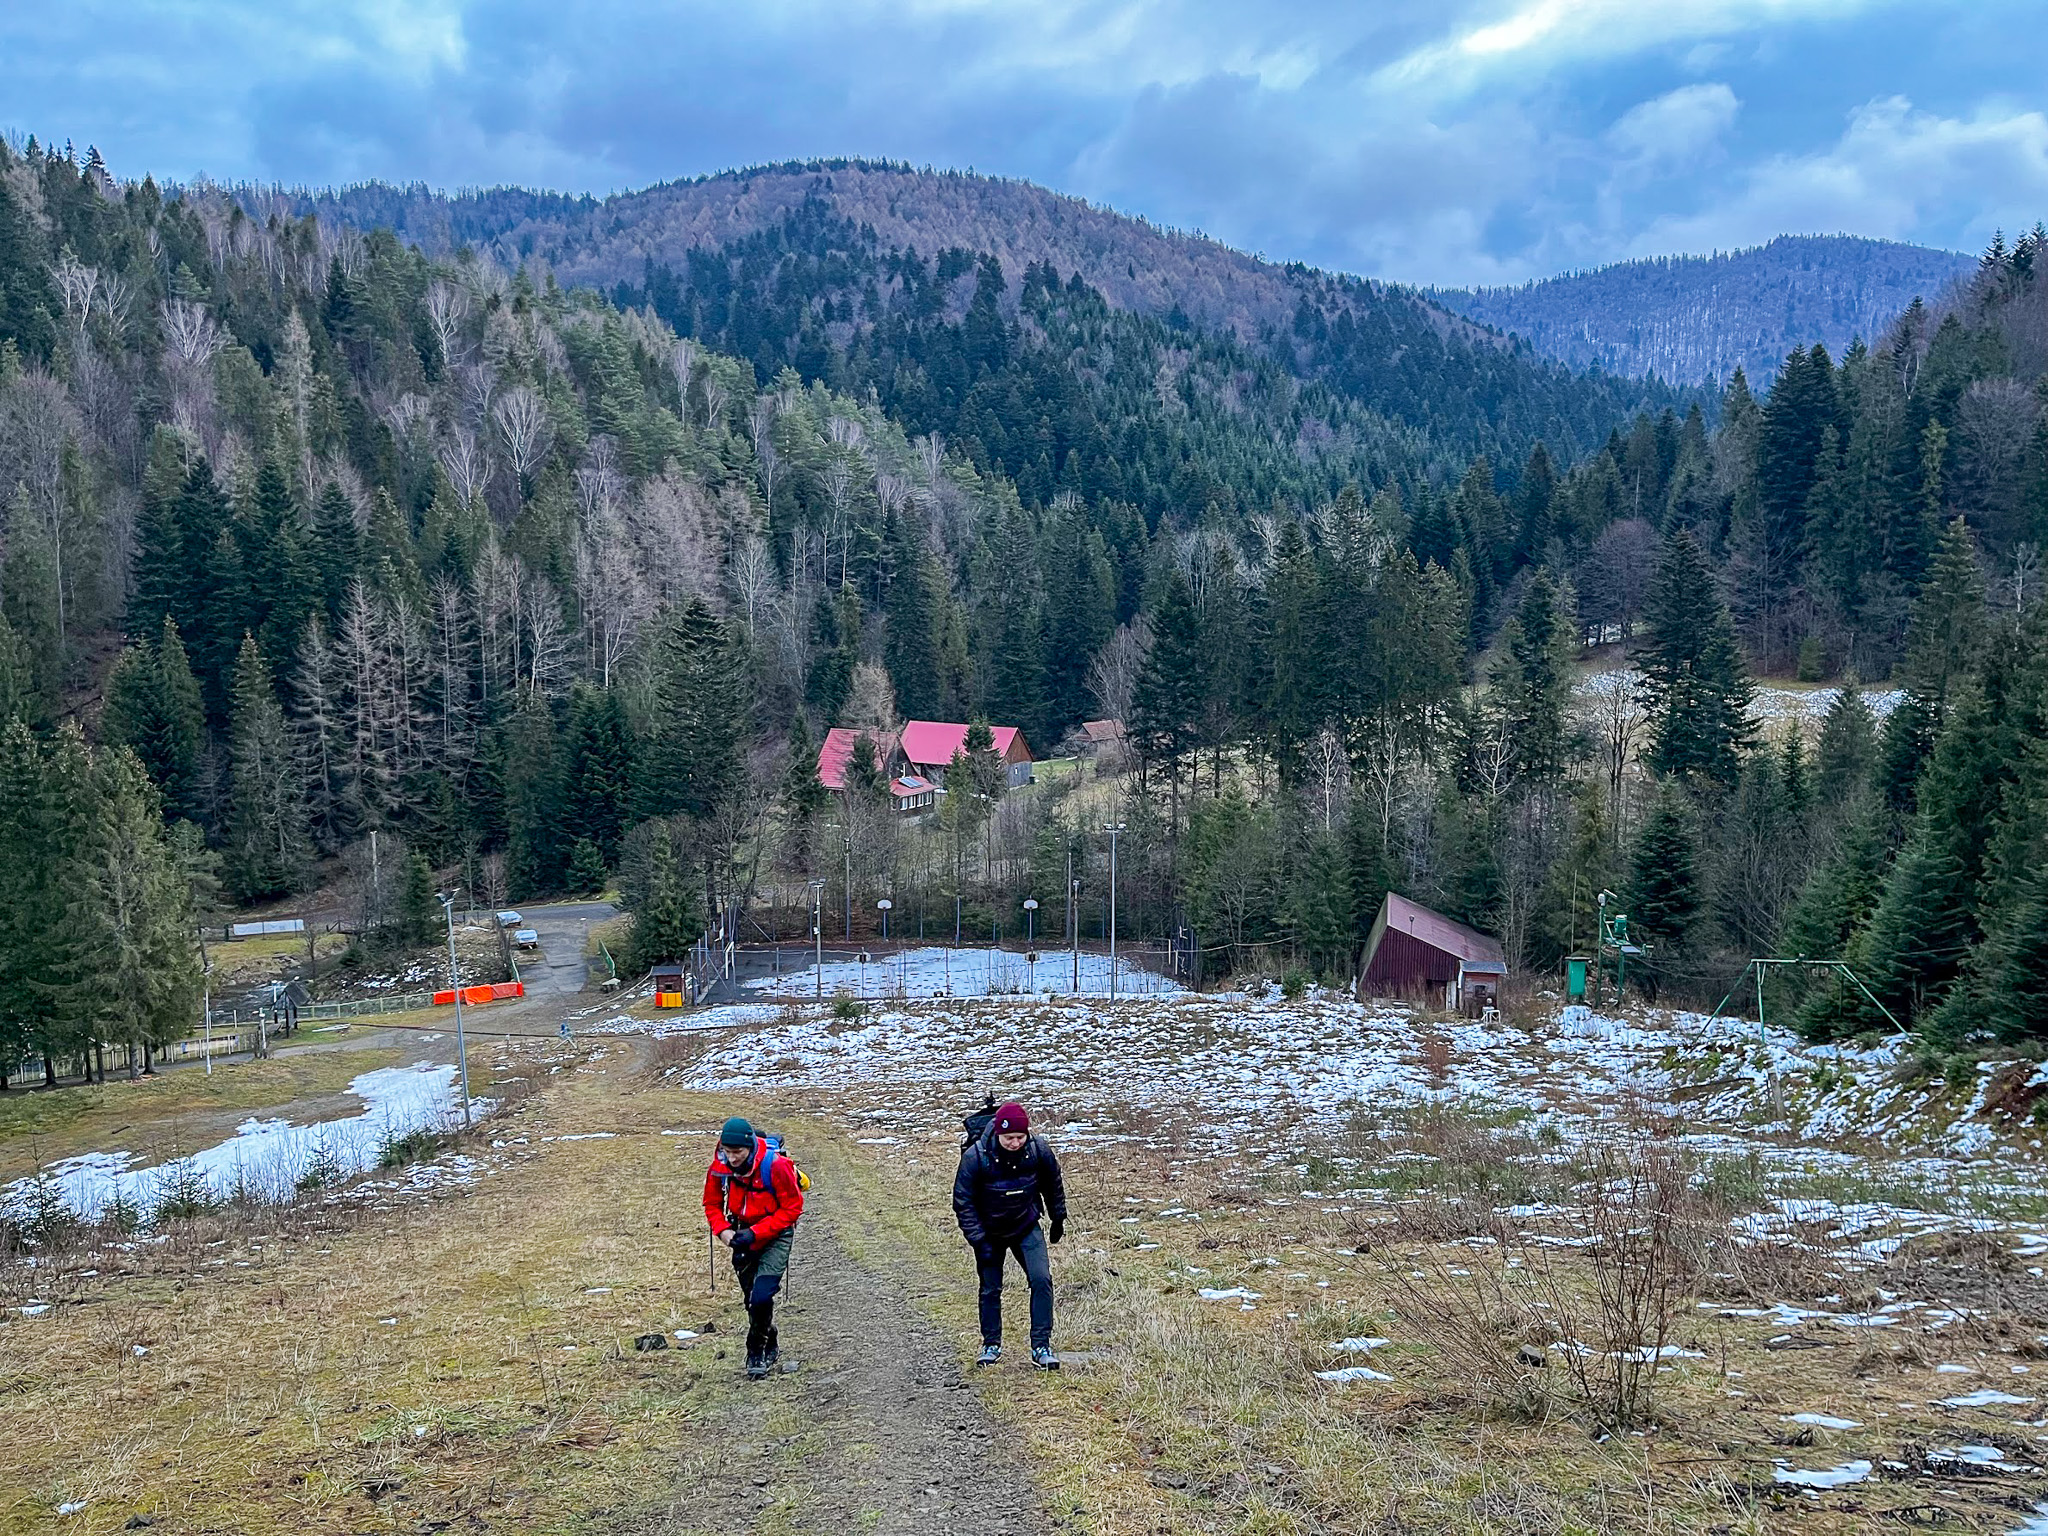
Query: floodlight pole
[(818, 932), (1030, 921), (1114, 830), (455, 984)]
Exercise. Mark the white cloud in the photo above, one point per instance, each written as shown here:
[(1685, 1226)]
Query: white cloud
[(1896, 172), (1543, 35), (1676, 126)]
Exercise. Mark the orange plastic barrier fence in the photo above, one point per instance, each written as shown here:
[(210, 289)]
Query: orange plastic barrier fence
[(476, 996)]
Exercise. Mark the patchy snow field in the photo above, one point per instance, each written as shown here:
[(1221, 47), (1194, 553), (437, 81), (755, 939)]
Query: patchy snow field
[(1771, 707), (266, 1158), (937, 972), (1849, 1147)]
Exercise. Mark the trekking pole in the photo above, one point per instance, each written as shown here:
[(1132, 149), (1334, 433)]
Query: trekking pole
[(710, 1265)]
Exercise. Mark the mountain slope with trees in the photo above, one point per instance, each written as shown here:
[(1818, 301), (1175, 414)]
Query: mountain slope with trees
[(1697, 319), (311, 535), (861, 257)]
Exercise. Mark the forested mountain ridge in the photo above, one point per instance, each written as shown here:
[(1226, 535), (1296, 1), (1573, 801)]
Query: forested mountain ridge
[(1696, 319), (819, 256), (593, 242)]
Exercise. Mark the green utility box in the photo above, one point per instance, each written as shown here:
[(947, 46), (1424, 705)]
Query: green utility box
[(1575, 977)]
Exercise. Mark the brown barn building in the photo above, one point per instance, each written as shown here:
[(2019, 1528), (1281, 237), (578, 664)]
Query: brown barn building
[(1413, 951)]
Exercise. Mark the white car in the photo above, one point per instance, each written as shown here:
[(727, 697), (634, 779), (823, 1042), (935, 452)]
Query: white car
[(526, 938), (509, 919)]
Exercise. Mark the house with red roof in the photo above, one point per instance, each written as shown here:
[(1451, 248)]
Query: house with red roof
[(914, 760), (929, 745), (835, 755)]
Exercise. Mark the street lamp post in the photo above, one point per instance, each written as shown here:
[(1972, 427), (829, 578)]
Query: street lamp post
[(1074, 917), (818, 931), (447, 899), (1030, 920), (1115, 830), (883, 906)]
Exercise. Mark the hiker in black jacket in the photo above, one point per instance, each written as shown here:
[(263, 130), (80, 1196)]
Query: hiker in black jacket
[(1006, 1179)]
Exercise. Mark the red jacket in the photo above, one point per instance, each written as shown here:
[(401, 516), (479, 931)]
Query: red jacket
[(735, 1199)]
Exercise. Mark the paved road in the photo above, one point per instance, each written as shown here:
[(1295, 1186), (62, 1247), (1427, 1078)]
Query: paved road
[(555, 978)]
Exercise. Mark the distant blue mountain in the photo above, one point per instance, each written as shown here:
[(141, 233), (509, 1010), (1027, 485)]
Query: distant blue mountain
[(1695, 319)]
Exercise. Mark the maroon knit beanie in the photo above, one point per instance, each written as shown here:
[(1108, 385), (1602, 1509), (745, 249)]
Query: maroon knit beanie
[(1011, 1117)]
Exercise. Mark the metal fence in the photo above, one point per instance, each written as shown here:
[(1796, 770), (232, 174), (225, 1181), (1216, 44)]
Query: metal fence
[(907, 969)]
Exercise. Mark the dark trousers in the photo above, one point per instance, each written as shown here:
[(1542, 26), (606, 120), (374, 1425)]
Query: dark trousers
[(760, 1271), (1031, 1254)]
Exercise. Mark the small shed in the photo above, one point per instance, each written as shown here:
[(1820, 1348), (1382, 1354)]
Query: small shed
[(671, 985), (1414, 951)]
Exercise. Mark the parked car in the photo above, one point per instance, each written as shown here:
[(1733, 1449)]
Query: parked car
[(526, 938), (509, 919)]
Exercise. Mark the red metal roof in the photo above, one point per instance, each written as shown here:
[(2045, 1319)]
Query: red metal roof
[(932, 744), (1100, 731), (1469, 945), (837, 752)]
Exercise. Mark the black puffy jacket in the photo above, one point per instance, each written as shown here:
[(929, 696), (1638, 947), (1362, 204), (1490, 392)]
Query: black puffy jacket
[(997, 1195)]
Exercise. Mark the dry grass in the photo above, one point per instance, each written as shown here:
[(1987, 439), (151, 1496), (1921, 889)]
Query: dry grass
[(275, 1397)]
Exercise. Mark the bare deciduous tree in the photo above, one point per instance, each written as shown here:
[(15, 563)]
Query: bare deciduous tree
[(191, 333), (447, 308), (1327, 761), (682, 362), (753, 578), (522, 418), (466, 464), (1113, 675)]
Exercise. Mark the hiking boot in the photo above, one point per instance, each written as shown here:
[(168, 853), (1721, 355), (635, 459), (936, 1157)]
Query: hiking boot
[(990, 1354), (757, 1365), (1044, 1358), (773, 1351)]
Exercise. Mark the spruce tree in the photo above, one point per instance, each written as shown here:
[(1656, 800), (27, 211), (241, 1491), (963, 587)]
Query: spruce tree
[(1664, 884), (18, 698), (533, 801), (598, 782), (1926, 922), (1847, 750), (1532, 682), (588, 873), (1694, 686), (267, 847), (802, 795), (153, 708), (418, 919), (24, 828), (1947, 636), (699, 722), (672, 917), (911, 646), (135, 908), (1166, 707)]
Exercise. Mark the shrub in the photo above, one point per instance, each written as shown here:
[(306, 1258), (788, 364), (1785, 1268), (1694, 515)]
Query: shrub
[(402, 1150), (323, 1171), (183, 1193), (847, 1008), (1294, 983)]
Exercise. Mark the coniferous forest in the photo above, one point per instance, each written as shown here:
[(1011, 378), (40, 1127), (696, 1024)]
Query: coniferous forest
[(308, 536)]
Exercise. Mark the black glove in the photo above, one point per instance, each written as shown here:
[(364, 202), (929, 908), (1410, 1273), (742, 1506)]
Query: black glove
[(1059, 1226), (743, 1237)]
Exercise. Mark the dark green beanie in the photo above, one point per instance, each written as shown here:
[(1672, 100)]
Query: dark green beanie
[(737, 1133)]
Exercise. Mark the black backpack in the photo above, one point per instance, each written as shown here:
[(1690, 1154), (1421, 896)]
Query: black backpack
[(976, 1124)]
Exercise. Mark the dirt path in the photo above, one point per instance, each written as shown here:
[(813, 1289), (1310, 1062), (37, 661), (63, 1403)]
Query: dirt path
[(892, 1437)]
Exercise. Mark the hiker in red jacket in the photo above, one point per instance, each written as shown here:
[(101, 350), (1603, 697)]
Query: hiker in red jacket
[(752, 1199)]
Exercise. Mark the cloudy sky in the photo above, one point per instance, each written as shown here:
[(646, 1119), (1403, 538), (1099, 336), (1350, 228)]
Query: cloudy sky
[(1446, 141)]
